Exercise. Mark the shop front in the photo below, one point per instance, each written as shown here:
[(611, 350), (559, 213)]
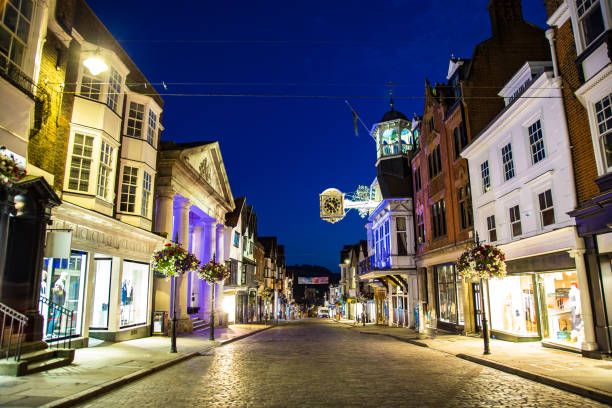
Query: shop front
[(106, 283), (449, 297), (538, 306)]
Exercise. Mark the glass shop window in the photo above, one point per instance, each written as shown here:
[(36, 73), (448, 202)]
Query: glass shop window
[(562, 317), (63, 285), (134, 293), (513, 305), (101, 297)]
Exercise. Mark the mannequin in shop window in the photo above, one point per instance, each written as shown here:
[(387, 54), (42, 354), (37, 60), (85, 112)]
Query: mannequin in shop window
[(127, 293), (574, 306), (58, 292)]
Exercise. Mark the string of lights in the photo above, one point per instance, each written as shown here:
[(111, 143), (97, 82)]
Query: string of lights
[(291, 96)]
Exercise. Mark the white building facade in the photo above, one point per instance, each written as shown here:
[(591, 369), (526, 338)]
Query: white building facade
[(522, 190)]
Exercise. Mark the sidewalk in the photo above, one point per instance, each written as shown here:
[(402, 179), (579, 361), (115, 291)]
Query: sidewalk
[(561, 369), (108, 365)]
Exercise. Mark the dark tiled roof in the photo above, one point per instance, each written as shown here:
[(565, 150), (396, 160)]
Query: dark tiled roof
[(231, 219), (393, 115)]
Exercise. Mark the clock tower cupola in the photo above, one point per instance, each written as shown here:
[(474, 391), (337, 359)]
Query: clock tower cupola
[(396, 141)]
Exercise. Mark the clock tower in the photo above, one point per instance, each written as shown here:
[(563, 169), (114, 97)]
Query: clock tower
[(396, 142)]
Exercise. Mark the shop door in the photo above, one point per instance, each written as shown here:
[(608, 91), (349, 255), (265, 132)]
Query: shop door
[(477, 302)]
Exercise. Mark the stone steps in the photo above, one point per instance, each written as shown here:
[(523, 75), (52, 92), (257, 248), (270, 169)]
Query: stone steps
[(37, 361)]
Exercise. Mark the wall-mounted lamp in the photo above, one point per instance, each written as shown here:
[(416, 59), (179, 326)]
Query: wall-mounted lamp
[(95, 64)]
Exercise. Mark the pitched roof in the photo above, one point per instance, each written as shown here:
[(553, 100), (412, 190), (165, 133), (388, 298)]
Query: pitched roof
[(171, 145), (231, 218)]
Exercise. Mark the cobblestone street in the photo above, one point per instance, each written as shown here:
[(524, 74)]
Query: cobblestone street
[(319, 363)]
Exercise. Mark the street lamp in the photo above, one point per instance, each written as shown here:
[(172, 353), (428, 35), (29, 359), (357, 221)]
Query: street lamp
[(95, 64), (485, 328)]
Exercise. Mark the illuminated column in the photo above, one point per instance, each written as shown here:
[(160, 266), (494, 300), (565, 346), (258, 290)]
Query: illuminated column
[(589, 343), (196, 249), (181, 230), (220, 244), (209, 244)]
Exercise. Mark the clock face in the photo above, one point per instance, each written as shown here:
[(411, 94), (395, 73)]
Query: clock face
[(331, 205)]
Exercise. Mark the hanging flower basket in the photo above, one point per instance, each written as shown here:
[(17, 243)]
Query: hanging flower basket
[(213, 272), (266, 294), (483, 261), (9, 172), (174, 260)]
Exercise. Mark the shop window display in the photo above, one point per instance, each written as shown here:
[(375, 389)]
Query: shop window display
[(449, 286), (134, 293), (512, 305), (563, 315), (62, 283), (102, 281)]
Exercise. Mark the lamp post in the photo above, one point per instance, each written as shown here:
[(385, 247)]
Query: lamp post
[(173, 324), (485, 325)]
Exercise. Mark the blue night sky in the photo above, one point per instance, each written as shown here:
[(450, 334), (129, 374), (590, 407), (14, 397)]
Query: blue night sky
[(281, 152)]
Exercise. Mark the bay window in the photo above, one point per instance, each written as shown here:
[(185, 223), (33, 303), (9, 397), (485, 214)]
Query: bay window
[(129, 184), (80, 163), (135, 119), (146, 194), (15, 21), (105, 170), (106, 87), (152, 127), (114, 90)]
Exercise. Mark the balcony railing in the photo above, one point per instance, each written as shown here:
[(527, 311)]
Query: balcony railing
[(42, 100)]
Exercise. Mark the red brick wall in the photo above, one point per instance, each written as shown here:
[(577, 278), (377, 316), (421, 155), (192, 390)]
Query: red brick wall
[(583, 156)]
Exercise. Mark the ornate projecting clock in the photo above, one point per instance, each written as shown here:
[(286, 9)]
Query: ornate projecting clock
[(331, 205)]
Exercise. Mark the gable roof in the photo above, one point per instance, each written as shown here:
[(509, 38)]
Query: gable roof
[(231, 218)]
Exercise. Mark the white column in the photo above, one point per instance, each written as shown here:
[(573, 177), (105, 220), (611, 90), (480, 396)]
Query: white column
[(209, 232), (589, 343), (164, 213), (390, 300), (196, 249), (181, 225), (220, 244)]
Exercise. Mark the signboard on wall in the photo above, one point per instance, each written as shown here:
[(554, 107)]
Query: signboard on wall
[(324, 280)]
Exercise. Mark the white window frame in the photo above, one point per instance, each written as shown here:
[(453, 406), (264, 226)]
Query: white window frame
[(116, 66), (17, 37), (488, 229), (131, 127), (94, 173), (486, 187), (511, 162), (136, 186), (81, 157), (599, 136), (148, 133), (147, 190), (581, 44), (542, 141), (106, 163), (518, 221), (540, 191)]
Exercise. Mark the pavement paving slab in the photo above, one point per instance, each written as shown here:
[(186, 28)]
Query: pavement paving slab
[(108, 365)]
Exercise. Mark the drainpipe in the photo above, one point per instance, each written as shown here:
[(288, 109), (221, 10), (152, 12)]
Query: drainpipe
[(550, 34)]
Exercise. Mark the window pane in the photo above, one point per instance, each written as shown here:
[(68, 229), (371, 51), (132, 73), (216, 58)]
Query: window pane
[(508, 162), (593, 24), (10, 18), (536, 142), (401, 223)]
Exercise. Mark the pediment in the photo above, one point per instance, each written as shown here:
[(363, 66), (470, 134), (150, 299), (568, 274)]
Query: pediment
[(207, 162)]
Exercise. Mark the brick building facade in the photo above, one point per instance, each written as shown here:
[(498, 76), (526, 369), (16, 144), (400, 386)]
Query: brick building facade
[(460, 109)]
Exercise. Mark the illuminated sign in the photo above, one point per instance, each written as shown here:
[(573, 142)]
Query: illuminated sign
[(313, 281)]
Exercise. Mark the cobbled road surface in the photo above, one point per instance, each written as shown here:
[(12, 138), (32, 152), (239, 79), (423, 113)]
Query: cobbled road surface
[(316, 363)]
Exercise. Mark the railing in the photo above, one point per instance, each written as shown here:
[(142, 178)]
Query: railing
[(59, 327), (15, 317)]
